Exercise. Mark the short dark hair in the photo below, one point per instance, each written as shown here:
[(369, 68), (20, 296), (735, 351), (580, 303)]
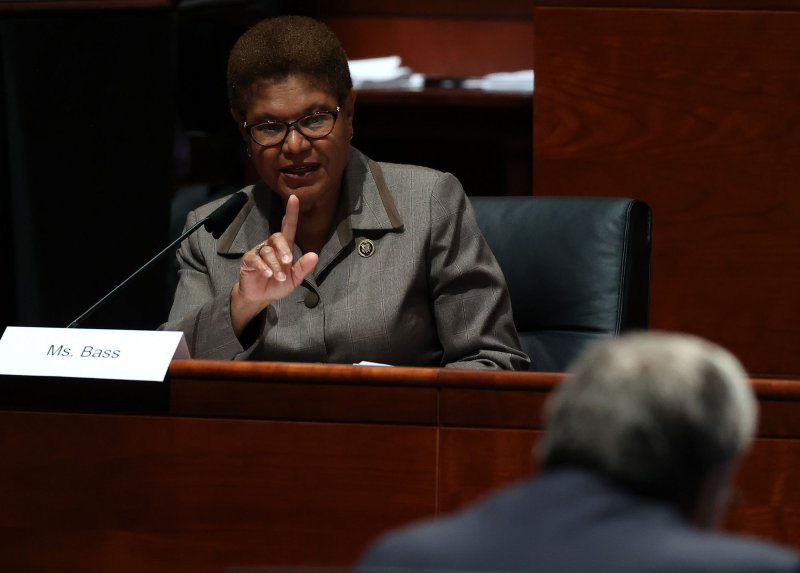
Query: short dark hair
[(277, 48)]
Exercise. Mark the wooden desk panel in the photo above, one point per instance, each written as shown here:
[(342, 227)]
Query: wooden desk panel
[(312, 392), (233, 473), (474, 462), (765, 499), (84, 491)]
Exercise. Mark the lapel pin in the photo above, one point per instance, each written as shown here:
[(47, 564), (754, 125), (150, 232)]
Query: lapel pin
[(366, 248)]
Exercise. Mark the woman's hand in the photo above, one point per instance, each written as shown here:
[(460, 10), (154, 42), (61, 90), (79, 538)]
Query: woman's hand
[(267, 273)]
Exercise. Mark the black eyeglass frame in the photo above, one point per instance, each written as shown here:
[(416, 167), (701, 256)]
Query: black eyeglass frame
[(292, 124)]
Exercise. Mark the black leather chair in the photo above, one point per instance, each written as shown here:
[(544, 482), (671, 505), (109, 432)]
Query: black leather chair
[(578, 268)]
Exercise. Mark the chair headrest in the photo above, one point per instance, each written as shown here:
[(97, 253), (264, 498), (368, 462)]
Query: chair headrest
[(572, 264)]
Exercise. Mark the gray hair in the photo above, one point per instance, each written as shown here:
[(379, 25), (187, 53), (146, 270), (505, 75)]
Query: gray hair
[(655, 411)]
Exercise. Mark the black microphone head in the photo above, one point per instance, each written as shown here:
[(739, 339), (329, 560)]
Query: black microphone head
[(218, 221)]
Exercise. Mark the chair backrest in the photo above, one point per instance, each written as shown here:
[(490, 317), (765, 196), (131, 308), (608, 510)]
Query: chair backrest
[(577, 268)]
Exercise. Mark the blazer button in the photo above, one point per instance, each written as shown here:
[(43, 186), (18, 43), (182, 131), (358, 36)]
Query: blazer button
[(312, 300)]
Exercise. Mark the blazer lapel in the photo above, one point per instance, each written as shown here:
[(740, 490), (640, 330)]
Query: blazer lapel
[(255, 222), (366, 209)]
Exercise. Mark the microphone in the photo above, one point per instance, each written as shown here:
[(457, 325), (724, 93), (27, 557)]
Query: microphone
[(215, 223), (220, 219)]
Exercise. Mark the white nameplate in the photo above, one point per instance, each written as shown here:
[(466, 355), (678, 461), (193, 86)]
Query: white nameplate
[(88, 353)]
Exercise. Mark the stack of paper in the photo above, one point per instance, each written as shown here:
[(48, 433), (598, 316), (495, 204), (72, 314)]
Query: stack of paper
[(384, 72), (521, 81)]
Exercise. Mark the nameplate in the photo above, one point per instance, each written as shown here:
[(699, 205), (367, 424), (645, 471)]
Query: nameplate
[(142, 355)]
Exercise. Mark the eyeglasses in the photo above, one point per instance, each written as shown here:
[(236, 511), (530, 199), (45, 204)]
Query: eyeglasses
[(312, 126)]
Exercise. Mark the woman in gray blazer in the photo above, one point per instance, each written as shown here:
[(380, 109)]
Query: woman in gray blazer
[(335, 258)]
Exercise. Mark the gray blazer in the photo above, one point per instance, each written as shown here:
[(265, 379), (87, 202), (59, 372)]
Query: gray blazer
[(428, 293)]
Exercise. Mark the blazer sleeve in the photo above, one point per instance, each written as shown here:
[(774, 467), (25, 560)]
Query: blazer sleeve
[(470, 298), (200, 310)]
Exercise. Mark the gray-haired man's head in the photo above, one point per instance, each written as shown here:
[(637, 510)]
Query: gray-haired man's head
[(657, 412)]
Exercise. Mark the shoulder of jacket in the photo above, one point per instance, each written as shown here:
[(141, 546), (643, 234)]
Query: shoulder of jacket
[(404, 170), (208, 208)]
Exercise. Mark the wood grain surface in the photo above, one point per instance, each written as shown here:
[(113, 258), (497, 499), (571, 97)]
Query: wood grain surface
[(278, 465), (698, 113)]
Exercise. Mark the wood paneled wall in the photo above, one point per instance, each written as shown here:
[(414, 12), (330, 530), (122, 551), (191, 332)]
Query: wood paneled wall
[(698, 113)]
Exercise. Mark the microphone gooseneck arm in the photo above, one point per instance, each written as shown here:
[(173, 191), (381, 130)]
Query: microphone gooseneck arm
[(144, 267), (215, 223)]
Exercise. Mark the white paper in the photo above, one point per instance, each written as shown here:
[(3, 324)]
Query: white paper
[(520, 81), (384, 72), (375, 69)]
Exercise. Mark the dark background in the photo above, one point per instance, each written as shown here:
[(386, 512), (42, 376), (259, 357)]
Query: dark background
[(86, 170), (115, 122)]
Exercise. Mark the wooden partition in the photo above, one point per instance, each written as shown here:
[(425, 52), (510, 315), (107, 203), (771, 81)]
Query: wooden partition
[(696, 111), (269, 464)]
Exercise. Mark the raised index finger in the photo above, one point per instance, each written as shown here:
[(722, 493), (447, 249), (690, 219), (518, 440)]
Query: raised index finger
[(289, 223)]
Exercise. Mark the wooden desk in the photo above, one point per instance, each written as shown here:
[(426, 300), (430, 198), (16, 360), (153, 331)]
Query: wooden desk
[(298, 464)]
